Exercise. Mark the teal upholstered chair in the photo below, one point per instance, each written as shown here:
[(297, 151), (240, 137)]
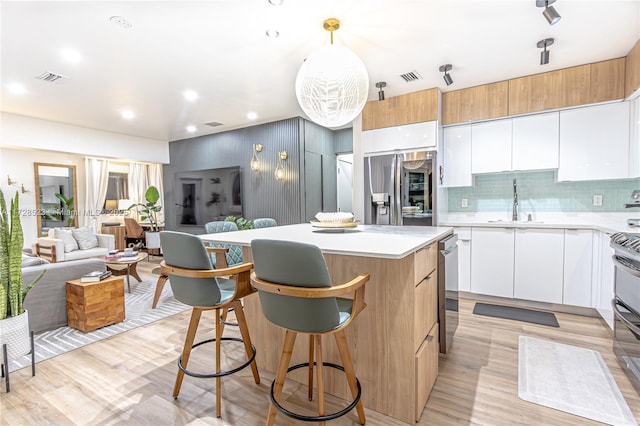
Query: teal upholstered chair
[(234, 256), (197, 283), (264, 222), (296, 294)]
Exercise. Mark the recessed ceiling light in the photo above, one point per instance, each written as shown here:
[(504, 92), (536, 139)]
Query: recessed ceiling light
[(191, 129), (127, 114), (70, 55), (276, 2), (16, 89), (121, 21), (252, 115), (190, 95), (272, 33)]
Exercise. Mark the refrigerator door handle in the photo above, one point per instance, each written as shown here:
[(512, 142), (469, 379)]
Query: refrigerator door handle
[(397, 190)]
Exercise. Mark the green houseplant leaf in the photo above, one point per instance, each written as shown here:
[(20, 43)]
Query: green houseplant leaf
[(69, 208), (149, 210), (12, 291)]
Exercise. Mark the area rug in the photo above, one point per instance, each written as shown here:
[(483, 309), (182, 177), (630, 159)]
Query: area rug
[(138, 312), (517, 314), (570, 379)]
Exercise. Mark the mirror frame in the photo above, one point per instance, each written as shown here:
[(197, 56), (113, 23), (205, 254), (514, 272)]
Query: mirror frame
[(74, 190)]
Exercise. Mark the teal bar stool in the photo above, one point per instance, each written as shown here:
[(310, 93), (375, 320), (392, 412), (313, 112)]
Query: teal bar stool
[(197, 283), (264, 222), (296, 294)]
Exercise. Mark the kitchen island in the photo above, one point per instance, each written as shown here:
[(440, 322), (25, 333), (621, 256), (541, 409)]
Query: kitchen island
[(394, 341)]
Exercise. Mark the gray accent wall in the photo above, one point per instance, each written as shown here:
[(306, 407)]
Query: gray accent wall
[(310, 184)]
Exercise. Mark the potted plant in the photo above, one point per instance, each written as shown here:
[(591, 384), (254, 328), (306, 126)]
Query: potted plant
[(149, 212), (68, 209), (14, 320), (240, 222)]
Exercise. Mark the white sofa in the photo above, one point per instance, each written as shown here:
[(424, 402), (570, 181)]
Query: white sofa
[(53, 249)]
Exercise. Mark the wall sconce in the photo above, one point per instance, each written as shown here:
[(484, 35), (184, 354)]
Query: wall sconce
[(280, 170), (255, 162), (14, 183)]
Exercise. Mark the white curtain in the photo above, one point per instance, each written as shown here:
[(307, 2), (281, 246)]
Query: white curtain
[(142, 176), (97, 179)]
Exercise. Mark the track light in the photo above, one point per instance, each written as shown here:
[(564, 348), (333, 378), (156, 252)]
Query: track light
[(447, 78), (550, 13), (544, 55), (381, 85)]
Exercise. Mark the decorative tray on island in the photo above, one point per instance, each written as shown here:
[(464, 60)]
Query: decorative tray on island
[(334, 225)]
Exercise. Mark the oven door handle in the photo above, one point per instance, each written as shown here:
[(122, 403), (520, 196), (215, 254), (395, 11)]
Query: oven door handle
[(614, 304), (624, 267)]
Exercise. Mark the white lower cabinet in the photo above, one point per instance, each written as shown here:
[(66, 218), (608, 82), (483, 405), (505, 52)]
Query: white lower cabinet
[(492, 261), (464, 258), (578, 267), (538, 265), (604, 291)]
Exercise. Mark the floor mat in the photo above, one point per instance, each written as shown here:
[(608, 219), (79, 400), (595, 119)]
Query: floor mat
[(571, 379), (518, 314)]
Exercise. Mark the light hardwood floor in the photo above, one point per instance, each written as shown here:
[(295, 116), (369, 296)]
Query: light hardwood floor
[(128, 379)]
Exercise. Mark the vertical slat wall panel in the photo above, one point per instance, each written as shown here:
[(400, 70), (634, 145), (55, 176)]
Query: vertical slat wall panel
[(262, 194)]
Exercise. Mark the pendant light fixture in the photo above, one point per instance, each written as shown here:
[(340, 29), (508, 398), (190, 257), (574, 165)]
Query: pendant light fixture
[(549, 12), (332, 84), (544, 55)]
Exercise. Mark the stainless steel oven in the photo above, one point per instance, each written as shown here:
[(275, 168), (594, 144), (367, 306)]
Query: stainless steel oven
[(626, 303)]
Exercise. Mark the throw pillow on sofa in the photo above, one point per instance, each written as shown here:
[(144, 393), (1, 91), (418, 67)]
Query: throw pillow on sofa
[(85, 237), (70, 243), (32, 261)]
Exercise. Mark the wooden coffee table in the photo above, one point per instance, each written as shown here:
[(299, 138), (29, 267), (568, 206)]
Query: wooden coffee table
[(126, 266)]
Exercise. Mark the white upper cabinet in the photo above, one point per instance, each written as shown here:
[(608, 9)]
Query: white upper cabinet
[(491, 146), (535, 141), (457, 156), (594, 142), (398, 138)]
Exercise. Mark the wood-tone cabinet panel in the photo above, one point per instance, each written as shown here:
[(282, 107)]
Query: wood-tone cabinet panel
[(426, 370), (425, 261), (632, 71), (607, 80), (551, 90), (411, 108), (425, 309), (475, 103)]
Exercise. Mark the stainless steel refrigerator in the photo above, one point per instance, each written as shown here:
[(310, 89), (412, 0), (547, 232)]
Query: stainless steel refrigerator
[(399, 189)]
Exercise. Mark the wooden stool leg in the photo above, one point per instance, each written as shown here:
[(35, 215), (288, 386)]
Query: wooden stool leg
[(281, 374), (162, 279), (196, 313), (246, 339), (311, 348), (319, 372), (347, 362), (218, 379)]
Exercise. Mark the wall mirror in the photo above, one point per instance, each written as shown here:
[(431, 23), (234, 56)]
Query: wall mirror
[(56, 197)]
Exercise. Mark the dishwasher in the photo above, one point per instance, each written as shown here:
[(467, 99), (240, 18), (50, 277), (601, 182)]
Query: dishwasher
[(447, 290)]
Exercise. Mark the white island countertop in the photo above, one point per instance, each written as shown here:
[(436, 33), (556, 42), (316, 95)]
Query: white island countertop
[(390, 242)]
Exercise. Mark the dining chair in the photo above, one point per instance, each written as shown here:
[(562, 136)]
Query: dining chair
[(234, 255), (296, 293), (264, 222), (195, 282)]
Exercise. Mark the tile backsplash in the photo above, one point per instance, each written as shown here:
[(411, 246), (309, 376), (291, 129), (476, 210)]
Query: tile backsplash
[(539, 192)]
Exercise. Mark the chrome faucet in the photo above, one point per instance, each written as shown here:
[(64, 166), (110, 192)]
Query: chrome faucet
[(514, 216)]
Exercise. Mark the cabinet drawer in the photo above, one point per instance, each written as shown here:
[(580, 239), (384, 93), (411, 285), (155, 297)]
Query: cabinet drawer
[(426, 369), (425, 308), (425, 261)]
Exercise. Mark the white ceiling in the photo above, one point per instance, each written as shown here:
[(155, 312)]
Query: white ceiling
[(219, 49)]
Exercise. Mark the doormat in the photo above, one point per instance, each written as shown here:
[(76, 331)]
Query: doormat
[(570, 379), (517, 314)]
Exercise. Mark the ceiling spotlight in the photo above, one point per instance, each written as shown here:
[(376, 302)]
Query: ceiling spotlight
[(381, 85), (272, 33), (544, 55), (191, 129), (447, 78), (190, 95), (127, 114), (550, 13), (252, 116)]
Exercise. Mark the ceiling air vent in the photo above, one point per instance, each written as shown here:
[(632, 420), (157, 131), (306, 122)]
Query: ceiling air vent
[(213, 124), (411, 76), (51, 76)]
